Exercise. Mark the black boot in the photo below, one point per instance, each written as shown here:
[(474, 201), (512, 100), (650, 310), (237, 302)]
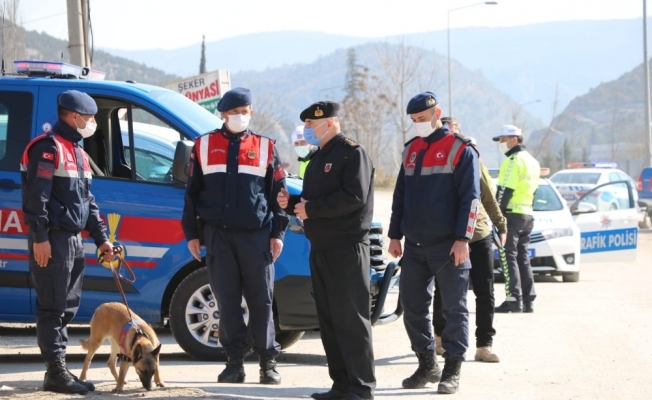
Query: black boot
[(268, 373), (528, 306), (58, 379), (510, 306), (450, 378), (234, 371), (428, 371)]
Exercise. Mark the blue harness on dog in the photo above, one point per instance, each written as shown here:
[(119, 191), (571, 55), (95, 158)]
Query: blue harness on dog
[(132, 323)]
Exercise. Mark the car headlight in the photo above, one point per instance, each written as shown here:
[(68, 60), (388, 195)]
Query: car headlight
[(556, 233)]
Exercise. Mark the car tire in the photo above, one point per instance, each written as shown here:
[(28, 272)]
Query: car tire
[(288, 338), (571, 277), (199, 344), (646, 223)]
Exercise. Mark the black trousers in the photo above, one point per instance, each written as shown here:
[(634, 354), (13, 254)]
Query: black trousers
[(340, 281), (521, 279), (240, 263), (58, 291), (482, 279)]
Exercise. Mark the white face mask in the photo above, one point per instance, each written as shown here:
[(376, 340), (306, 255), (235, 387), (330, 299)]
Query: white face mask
[(238, 123), (88, 130), (302, 151), (424, 129), (502, 146)]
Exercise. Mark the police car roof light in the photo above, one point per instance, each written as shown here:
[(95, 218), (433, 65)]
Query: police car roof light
[(56, 69)]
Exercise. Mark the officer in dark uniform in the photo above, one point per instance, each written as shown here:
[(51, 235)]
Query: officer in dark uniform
[(58, 204), (337, 206), (435, 207), (234, 177)]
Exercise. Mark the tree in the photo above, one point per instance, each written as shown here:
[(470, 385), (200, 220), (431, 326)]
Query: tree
[(202, 61), (365, 109), (13, 35)]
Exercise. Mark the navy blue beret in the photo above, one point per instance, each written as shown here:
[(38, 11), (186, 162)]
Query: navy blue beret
[(234, 98), (78, 102), (319, 110), (422, 101)]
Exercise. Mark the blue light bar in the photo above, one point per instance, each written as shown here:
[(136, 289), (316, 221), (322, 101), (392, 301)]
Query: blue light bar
[(55, 69)]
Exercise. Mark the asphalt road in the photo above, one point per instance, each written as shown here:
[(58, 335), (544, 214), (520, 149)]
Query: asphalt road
[(585, 340)]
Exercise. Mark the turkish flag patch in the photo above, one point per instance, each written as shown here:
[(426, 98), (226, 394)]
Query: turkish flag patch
[(47, 156)]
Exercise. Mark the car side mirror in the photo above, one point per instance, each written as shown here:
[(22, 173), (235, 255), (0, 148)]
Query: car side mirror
[(583, 208), (181, 160)]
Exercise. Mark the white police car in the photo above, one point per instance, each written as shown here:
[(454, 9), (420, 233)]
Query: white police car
[(555, 240)]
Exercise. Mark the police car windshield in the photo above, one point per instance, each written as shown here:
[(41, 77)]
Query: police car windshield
[(545, 199), (191, 113), (590, 178)]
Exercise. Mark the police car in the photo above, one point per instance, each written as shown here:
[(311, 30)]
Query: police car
[(563, 235), (555, 239), (139, 155)]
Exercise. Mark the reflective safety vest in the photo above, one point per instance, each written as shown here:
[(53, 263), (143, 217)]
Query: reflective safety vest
[(520, 172)]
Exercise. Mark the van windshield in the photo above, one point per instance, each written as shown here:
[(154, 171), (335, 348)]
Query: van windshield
[(192, 113)]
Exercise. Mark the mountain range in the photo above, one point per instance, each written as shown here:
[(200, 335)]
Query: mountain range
[(529, 63)]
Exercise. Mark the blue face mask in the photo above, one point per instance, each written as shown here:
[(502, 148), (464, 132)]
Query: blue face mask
[(310, 137)]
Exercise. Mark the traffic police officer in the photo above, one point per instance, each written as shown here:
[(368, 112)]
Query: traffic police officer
[(517, 181), (234, 177), (434, 207), (482, 266), (58, 205), (337, 206), (303, 150)]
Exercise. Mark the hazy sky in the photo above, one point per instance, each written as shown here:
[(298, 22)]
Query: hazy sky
[(167, 24)]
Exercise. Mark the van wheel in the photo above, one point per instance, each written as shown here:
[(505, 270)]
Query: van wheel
[(646, 223), (195, 318), (571, 277)]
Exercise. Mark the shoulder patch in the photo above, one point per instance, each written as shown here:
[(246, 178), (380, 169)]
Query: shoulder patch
[(351, 142)]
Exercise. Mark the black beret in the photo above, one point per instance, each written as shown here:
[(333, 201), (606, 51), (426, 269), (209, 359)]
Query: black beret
[(319, 110), (78, 102), (422, 101), (234, 98)]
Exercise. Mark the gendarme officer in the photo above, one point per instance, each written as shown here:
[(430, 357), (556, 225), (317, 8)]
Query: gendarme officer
[(234, 177), (434, 208), (58, 205), (337, 205)]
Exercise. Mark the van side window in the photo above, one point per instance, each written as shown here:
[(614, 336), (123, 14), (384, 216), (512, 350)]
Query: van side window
[(15, 127), (111, 148)]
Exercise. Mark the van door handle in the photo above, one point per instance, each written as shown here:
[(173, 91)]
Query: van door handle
[(7, 183)]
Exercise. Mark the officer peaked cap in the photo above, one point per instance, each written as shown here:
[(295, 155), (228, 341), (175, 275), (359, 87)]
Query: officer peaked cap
[(319, 110), (76, 101), (422, 101), (234, 98)]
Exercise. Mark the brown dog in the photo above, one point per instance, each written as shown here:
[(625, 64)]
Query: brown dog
[(134, 339)]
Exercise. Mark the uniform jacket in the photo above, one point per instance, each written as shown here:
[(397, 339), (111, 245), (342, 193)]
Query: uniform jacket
[(338, 187), (233, 183), (437, 190), (517, 181), (488, 207), (56, 183)]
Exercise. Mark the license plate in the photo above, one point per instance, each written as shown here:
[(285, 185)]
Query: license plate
[(530, 252)]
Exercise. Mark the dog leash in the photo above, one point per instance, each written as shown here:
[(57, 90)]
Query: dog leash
[(118, 252)]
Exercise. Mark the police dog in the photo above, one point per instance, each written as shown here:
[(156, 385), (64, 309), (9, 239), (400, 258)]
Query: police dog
[(133, 339)]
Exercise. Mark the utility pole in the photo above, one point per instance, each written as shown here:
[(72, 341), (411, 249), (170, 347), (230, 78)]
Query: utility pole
[(76, 42), (646, 73)]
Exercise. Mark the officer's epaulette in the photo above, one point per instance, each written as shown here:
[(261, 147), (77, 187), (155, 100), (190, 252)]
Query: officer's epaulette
[(467, 141), (411, 140), (350, 142)]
